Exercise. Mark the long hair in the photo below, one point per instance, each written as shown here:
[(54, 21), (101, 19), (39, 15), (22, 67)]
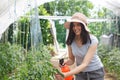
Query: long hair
[(85, 37)]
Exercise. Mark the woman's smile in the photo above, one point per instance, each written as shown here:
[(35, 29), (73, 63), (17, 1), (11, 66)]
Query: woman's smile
[(77, 28)]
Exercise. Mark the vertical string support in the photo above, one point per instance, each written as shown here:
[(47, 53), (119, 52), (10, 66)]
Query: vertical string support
[(15, 25), (35, 29)]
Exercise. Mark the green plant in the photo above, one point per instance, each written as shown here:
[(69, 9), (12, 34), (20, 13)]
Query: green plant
[(45, 26), (18, 64), (51, 48), (10, 58), (37, 66), (110, 59)]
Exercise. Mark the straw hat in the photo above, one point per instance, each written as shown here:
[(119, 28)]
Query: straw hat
[(77, 17)]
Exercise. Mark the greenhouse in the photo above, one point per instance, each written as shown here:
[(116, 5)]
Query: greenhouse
[(33, 37)]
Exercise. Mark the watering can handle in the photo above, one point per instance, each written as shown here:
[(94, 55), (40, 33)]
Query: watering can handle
[(61, 61)]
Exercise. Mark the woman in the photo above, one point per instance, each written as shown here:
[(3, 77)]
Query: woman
[(82, 49)]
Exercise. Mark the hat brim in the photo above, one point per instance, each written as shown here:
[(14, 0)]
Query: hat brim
[(67, 24)]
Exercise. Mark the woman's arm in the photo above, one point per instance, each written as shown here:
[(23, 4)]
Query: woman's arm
[(71, 58), (85, 63)]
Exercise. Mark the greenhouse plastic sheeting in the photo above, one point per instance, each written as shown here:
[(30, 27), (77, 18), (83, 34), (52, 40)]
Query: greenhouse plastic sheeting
[(113, 5), (11, 10)]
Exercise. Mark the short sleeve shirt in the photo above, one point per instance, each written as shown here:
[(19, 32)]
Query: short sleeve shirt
[(80, 52)]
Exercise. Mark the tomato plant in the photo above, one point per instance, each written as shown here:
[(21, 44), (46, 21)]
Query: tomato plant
[(19, 64)]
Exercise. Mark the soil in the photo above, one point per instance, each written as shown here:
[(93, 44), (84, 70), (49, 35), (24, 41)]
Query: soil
[(110, 76)]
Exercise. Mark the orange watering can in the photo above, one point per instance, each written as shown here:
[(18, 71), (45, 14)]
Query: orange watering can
[(65, 68)]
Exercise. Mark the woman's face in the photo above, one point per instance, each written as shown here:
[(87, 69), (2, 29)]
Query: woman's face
[(76, 28)]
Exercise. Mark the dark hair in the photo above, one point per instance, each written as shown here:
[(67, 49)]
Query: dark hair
[(84, 35)]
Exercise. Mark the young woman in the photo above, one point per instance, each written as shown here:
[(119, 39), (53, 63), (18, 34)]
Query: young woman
[(82, 49)]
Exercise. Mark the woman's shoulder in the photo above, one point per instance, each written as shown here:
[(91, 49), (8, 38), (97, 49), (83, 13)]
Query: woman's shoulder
[(93, 36)]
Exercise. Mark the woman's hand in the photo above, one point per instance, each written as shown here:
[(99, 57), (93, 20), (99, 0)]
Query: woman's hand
[(59, 77)]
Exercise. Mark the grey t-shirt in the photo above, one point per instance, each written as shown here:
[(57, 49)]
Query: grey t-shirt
[(80, 52)]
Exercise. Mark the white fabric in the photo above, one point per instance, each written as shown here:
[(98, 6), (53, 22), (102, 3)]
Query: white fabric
[(113, 5), (11, 10), (7, 14)]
